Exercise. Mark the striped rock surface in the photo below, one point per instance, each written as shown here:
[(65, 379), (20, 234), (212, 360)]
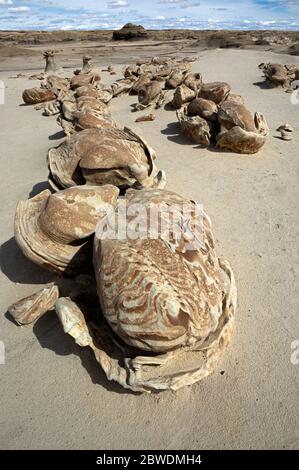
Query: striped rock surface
[(38, 95), (167, 313), (54, 230), (165, 293)]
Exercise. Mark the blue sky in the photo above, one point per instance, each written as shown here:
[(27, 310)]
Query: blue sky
[(155, 14)]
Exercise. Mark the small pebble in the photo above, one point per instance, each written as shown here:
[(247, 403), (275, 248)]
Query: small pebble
[(146, 117), (285, 127), (286, 135)]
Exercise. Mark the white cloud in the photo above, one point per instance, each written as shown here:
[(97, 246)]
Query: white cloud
[(267, 23), (118, 4), (167, 14), (18, 9), (184, 3), (167, 2), (219, 8), (180, 3), (67, 27)]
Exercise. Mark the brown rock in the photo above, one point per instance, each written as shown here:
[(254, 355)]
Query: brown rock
[(175, 79), (232, 114), (182, 95), (51, 66), (148, 93), (30, 309), (240, 141), (195, 128), (104, 156), (184, 324), (276, 74), (121, 87), (83, 79), (143, 80), (84, 103), (89, 91), (167, 317), (215, 91), (204, 108), (38, 95), (53, 230), (146, 117), (193, 81), (235, 98), (92, 119)]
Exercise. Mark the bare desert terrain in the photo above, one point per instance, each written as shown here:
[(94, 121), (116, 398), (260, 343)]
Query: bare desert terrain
[(53, 393)]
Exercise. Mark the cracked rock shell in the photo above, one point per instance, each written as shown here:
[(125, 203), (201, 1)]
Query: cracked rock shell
[(240, 141), (160, 294), (104, 156), (195, 128), (177, 306), (122, 86), (140, 372)]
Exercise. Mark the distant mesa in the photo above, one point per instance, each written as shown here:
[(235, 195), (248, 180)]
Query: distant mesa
[(130, 31)]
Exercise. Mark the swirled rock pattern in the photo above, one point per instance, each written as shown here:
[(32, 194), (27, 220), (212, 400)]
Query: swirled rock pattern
[(158, 294)]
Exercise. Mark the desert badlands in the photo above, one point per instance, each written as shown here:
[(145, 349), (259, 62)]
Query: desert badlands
[(212, 330)]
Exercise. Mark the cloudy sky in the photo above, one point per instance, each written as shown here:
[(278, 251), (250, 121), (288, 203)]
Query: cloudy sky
[(155, 14)]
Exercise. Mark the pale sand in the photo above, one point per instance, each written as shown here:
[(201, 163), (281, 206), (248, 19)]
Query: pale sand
[(53, 394)]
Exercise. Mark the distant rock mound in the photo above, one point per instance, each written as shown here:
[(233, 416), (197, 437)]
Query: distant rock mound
[(226, 40), (130, 31), (294, 49)]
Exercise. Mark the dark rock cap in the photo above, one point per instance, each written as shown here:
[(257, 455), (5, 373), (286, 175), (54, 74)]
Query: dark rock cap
[(130, 31)]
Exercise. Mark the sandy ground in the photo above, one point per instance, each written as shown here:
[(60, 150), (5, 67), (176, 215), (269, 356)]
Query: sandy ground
[(53, 394)]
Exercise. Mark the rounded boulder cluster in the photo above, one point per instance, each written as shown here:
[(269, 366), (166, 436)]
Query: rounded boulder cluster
[(156, 309)]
